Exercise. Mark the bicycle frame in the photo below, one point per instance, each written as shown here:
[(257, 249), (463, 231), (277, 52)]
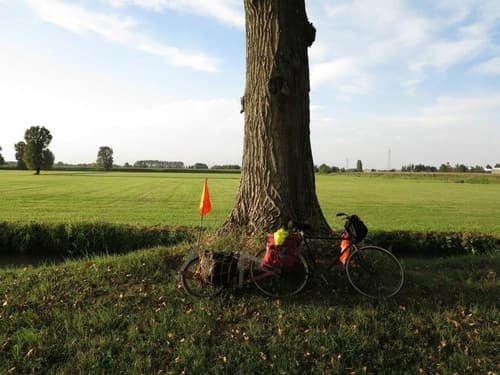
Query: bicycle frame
[(371, 270), (246, 259), (310, 254)]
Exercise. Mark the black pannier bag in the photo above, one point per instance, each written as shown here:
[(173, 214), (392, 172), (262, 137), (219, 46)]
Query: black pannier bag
[(356, 229), (218, 268)]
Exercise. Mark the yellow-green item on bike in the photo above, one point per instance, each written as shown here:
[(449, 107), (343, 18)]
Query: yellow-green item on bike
[(280, 236)]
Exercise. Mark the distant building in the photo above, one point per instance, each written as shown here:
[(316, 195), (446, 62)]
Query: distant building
[(159, 164), (495, 170)]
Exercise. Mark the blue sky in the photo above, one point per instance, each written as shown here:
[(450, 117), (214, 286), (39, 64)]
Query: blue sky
[(161, 79)]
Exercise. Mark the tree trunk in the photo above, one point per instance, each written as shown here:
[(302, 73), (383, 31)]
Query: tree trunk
[(277, 179)]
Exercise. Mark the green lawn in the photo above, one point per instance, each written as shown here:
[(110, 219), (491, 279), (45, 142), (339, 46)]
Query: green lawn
[(127, 314), (385, 203)]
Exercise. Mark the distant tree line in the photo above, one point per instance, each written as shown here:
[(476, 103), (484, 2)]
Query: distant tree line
[(326, 169), (158, 164), (418, 168), (460, 168), (226, 166), (178, 165), (33, 153), (198, 166)]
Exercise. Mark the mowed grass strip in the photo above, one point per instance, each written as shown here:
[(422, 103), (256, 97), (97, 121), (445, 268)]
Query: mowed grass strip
[(132, 198), (395, 202), (128, 315), (401, 203)]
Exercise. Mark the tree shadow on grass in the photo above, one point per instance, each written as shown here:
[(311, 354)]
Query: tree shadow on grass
[(430, 284), (445, 282)]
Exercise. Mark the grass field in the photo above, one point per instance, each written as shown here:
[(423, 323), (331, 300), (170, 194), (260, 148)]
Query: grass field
[(127, 314), (384, 202)]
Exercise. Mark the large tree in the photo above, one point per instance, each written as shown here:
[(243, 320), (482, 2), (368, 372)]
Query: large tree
[(277, 178), (47, 159), (105, 157), (37, 140), (19, 147), (2, 160)]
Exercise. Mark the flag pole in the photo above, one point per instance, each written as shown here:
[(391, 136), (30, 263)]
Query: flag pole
[(205, 207), (199, 232)]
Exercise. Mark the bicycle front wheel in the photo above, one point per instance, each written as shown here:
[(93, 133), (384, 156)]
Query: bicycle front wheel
[(374, 272), (193, 283), (283, 282)]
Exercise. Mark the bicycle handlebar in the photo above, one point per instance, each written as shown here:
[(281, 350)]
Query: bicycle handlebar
[(296, 226)]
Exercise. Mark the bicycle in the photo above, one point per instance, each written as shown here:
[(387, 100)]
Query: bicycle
[(276, 281), (371, 270)]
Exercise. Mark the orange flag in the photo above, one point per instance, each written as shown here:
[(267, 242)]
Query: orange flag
[(205, 205)]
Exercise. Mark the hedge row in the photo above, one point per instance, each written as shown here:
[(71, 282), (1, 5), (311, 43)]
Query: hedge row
[(73, 240), (435, 243)]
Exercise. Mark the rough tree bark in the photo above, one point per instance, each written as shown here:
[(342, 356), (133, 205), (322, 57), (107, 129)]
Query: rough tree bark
[(277, 179)]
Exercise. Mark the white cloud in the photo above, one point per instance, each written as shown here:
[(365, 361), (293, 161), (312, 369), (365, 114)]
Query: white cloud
[(448, 113), (411, 86), (429, 39), (78, 20), (177, 57), (465, 114), (442, 55), (86, 110), (449, 129), (117, 29), (344, 74), (229, 12), (370, 35), (376, 33), (456, 11), (489, 67), (209, 131)]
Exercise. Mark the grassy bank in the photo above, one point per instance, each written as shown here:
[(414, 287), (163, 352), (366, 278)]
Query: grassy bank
[(385, 202), (127, 314), (86, 239)]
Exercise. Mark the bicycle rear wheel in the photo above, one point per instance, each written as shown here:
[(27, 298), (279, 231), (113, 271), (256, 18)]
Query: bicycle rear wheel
[(193, 283), (283, 283), (374, 272)]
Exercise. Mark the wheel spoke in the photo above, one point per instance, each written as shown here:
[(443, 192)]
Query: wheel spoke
[(281, 282), (193, 283), (375, 272)]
